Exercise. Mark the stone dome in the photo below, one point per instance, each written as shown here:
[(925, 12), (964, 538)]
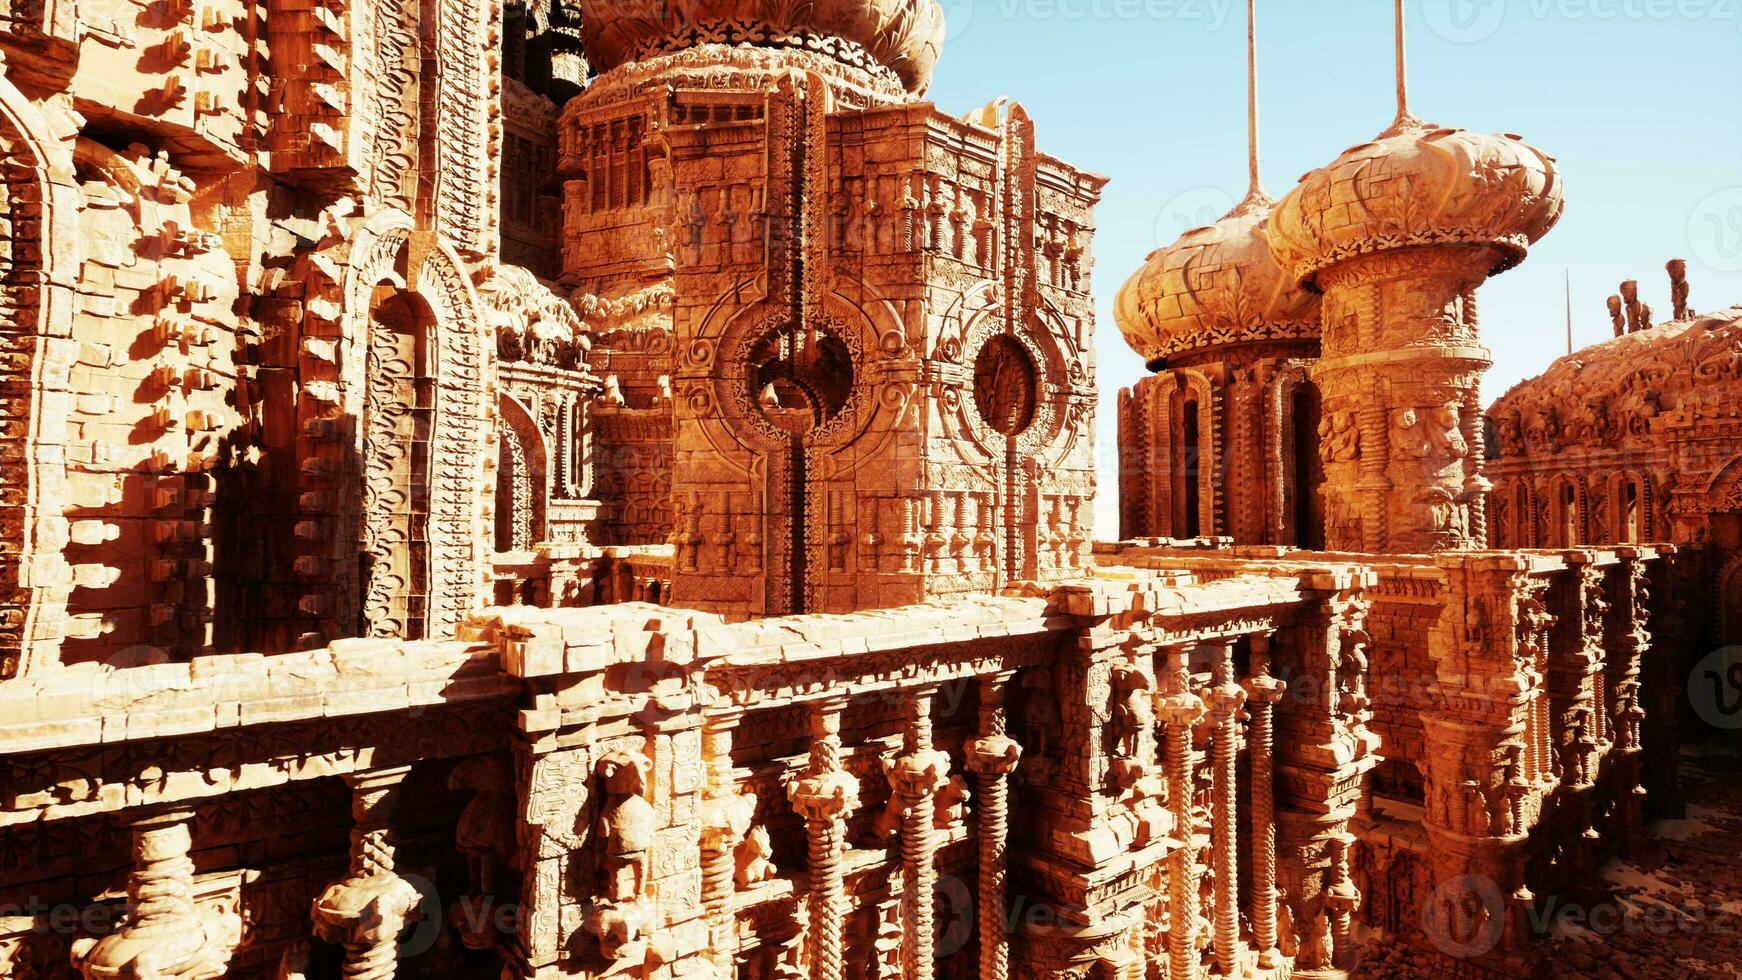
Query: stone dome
[(1419, 184), (1613, 394), (903, 36), (1217, 285)]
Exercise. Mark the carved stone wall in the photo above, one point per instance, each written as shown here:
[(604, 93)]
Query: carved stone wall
[(803, 405)]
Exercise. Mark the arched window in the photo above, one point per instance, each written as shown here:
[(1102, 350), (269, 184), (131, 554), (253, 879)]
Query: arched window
[(1186, 518), (1568, 524), (396, 438), (1627, 527), (1309, 514), (521, 484)]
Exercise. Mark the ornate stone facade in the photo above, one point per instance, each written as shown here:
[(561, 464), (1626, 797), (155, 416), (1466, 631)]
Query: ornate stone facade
[(467, 519)]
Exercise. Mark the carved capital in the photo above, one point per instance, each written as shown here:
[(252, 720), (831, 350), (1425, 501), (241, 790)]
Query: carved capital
[(994, 755), (1265, 690), (1225, 701), (918, 773), (1180, 709), (825, 796)]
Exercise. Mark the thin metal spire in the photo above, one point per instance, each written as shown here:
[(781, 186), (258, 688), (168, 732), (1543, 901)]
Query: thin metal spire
[(1257, 188), (1402, 67), (1255, 196)]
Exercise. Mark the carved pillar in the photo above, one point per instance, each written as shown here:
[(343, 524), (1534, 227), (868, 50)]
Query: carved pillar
[(993, 758), (366, 910), (1342, 900), (824, 796), (725, 819), (162, 934), (915, 777), (1226, 697), (1418, 479), (1180, 709), (1263, 692), (1631, 641)]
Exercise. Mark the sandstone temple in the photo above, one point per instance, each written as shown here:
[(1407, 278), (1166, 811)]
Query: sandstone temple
[(530, 490)]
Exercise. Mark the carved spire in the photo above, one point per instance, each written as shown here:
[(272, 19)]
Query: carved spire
[(1255, 189), (1405, 119)]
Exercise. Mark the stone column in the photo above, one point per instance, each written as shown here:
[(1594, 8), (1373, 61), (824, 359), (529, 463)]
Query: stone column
[(915, 777), (1342, 899), (1180, 709), (1631, 640), (725, 819), (993, 758), (824, 796), (366, 910), (1417, 482), (1226, 698), (163, 934), (1263, 692)]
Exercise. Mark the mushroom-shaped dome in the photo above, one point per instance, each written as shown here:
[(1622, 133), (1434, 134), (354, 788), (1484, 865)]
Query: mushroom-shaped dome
[(904, 36), (1419, 184), (1216, 286)]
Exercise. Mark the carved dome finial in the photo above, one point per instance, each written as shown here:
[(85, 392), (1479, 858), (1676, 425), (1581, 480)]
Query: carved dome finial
[(1418, 184), (1218, 284)]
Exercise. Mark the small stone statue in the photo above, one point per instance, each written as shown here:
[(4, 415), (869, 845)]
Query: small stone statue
[(613, 394), (951, 803), (887, 823), (1617, 315), (1636, 321), (1132, 711), (1678, 287), (626, 825), (755, 857)]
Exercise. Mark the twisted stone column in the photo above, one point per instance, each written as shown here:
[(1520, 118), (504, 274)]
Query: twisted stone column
[(824, 796), (1180, 710), (1343, 900), (915, 778), (1263, 692), (1226, 698), (725, 819), (163, 933), (992, 757), (366, 910)]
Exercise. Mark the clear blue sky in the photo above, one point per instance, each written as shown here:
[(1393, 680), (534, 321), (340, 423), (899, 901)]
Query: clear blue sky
[(1640, 101)]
